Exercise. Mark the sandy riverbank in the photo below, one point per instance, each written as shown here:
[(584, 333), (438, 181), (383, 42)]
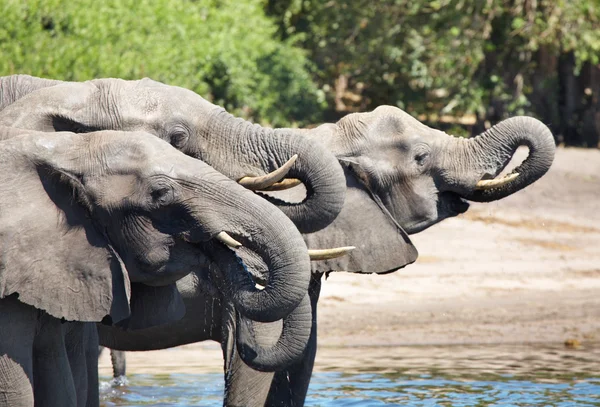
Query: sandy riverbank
[(522, 270)]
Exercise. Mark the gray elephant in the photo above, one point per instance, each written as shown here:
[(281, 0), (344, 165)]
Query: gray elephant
[(205, 131), (93, 226), (402, 177), (239, 149)]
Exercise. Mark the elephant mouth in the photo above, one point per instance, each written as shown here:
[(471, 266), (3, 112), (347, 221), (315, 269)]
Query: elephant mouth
[(455, 203), (449, 204)]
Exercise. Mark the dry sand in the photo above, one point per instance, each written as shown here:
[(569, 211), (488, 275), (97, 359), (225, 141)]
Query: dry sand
[(522, 270)]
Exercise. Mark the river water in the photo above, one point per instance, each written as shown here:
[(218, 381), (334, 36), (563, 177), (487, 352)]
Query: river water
[(489, 375)]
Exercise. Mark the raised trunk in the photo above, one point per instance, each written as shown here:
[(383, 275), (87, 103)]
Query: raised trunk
[(289, 347), (282, 250), (315, 167), (486, 155)]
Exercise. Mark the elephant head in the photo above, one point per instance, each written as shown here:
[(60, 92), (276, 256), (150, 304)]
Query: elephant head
[(82, 215), (257, 157), (403, 176)]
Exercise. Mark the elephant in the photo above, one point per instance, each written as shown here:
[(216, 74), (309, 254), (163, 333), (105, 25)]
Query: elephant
[(239, 149), (95, 226), (402, 177), (201, 130)]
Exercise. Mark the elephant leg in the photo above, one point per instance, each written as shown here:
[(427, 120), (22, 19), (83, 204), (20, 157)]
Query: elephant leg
[(289, 387), (75, 346), (91, 358), (244, 387), (52, 376), (17, 324)]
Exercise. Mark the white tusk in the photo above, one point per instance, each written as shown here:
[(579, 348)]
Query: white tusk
[(326, 254), (265, 181), (494, 183), (228, 240), (286, 183)]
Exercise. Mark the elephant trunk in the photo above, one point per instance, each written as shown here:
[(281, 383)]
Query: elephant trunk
[(316, 168), (289, 347), (486, 155), (266, 231), (119, 363)]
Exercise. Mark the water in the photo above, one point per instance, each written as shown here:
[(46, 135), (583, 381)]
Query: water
[(413, 376)]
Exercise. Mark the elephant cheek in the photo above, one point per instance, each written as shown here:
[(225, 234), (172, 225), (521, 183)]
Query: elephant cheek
[(148, 266), (416, 208), (181, 259)]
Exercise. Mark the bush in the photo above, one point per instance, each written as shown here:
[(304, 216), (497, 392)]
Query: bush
[(227, 51)]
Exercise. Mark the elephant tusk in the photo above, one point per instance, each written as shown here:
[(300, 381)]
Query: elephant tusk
[(326, 254), (265, 181), (286, 183), (495, 183), (228, 240)]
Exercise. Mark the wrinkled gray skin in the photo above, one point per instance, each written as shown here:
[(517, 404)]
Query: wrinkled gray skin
[(202, 130), (402, 177), (87, 231), (193, 125)]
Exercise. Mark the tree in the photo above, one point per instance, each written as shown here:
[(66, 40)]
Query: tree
[(225, 50), (485, 59)]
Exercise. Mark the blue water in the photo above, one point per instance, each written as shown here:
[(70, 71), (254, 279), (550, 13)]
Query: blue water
[(507, 376), (367, 390)]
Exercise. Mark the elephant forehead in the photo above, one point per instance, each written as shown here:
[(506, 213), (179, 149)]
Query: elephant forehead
[(146, 99)]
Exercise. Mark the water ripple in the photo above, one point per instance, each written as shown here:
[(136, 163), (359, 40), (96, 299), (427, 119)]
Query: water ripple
[(419, 377)]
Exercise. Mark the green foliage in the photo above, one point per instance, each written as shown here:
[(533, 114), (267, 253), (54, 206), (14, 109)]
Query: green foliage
[(299, 61), (223, 50), (397, 52), (490, 58)]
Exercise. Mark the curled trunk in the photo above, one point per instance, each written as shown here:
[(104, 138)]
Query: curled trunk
[(317, 168), (486, 155), (280, 250), (289, 346), (286, 284), (217, 205)]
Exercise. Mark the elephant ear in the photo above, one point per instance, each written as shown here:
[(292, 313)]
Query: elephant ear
[(153, 306), (382, 246), (51, 254)]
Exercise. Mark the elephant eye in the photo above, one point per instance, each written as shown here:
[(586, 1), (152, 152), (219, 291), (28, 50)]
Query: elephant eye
[(178, 137), (421, 158), (163, 195)]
